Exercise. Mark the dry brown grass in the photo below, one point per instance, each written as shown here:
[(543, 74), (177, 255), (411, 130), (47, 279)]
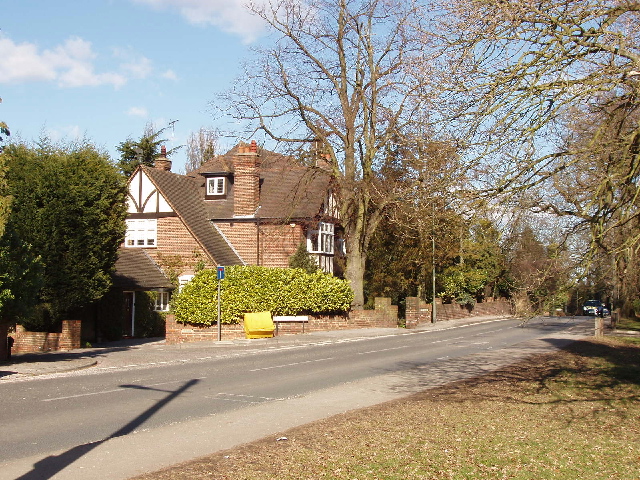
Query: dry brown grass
[(570, 415)]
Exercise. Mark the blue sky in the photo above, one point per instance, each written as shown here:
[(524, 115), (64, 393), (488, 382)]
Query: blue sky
[(106, 68)]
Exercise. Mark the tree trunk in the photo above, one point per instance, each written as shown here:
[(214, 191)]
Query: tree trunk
[(356, 259)]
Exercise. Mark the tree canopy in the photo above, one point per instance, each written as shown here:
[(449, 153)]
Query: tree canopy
[(5, 198), (142, 151), (544, 96), (339, 74), (201, 146), (20, 278), (69, 206)]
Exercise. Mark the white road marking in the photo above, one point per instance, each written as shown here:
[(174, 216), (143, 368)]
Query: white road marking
[(291, 364), (103, 392), (383, 350)]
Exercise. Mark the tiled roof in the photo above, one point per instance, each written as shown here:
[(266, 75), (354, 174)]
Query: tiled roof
[(181, 192), (288, 190), (135, 270)]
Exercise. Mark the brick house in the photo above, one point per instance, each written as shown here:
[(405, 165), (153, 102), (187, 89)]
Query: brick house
[(266, 204), (247, 207)]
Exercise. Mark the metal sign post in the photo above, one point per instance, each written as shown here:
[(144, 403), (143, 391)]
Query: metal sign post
[(220, 278)]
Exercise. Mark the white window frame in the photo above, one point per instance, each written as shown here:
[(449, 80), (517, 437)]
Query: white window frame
[(162, 301), (141, 232), (216, 186), (321, 240), (183, 280)]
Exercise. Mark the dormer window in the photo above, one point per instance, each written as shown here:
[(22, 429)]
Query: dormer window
[(216, 186)]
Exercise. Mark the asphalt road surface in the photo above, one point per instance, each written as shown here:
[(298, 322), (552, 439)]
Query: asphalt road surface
[(118, 423)]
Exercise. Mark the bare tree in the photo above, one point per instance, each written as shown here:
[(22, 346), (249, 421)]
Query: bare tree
[(201, 146), (545, 96), (340, 73)]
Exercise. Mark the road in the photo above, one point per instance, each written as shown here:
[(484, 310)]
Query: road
[(158, 415)]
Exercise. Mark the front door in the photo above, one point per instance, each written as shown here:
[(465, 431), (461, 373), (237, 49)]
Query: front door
[(129, 312)]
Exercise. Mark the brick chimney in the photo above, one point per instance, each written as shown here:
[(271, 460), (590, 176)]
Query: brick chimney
[(162, 162), (246, 184)]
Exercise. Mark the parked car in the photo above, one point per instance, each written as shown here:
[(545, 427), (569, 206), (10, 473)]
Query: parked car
[(595, 307)]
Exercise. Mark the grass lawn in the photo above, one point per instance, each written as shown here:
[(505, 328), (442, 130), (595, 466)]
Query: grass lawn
[(570, 415), (629, 324)]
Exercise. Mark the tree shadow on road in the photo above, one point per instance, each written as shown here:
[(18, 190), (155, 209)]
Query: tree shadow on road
[(48, 467)]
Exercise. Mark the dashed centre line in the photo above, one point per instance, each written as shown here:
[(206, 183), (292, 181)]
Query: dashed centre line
[(291, 364), (383, 350), (103, 392)]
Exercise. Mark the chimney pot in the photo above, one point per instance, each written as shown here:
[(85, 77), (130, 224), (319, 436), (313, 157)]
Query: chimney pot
[(161, 161)]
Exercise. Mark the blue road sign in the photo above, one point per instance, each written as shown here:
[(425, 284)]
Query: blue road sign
[(220, 273)]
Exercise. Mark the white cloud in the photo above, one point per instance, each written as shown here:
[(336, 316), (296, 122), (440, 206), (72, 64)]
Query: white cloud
[(69, 64), (134, 65), (23, 63), (170, 75), (138, 112), (229, 15), (65, 132)]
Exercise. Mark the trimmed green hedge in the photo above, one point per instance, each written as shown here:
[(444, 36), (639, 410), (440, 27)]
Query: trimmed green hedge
[(282, 291)]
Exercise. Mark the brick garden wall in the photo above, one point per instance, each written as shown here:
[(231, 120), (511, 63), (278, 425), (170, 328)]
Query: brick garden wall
[(29, 342), (418, 311), (385, 315)]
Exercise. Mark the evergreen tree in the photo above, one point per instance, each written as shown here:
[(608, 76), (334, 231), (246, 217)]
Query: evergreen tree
[(4, 132), (69, 206), (302, 259), (141, 152)]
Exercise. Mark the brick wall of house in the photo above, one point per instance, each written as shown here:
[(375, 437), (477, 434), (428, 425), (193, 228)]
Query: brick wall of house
[(417, 311), (175, 240), (278, 243), (384, 316), (29, 342), (243, 237)]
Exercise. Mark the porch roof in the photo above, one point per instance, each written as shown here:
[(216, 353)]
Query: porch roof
[(135, 270)]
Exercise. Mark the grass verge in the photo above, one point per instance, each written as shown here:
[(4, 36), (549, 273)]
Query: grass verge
[(627, 323), (567, 415)]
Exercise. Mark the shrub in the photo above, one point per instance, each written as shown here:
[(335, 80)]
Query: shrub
[(282, 291), (302, 259), (149, 323)]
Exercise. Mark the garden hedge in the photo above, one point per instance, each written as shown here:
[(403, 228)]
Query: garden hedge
[(282, 291)]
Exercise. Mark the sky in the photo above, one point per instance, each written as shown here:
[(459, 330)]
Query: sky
[(104, 69)]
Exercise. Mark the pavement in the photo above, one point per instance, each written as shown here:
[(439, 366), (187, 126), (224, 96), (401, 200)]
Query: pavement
[(154, 351)]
